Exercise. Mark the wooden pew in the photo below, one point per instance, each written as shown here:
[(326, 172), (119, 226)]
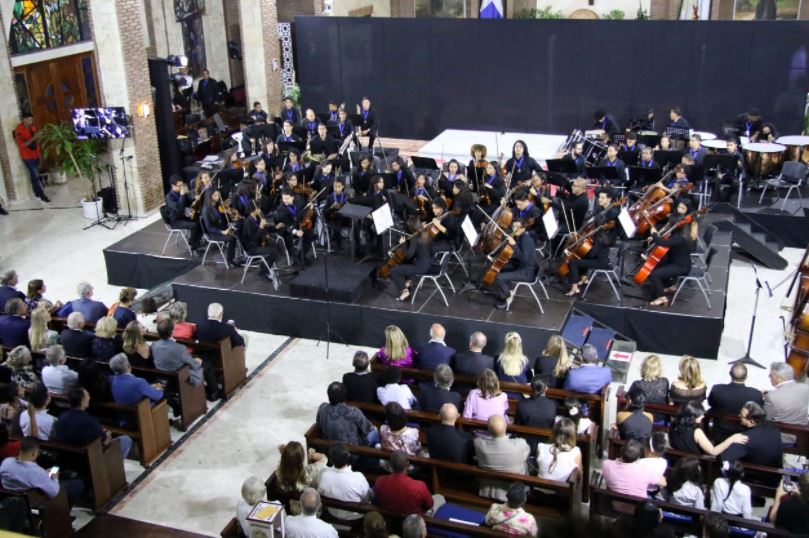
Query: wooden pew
[(586, 443), (801, 432), (102, 467), (597, 403), (452, 480), (53, 520), (608, 504)]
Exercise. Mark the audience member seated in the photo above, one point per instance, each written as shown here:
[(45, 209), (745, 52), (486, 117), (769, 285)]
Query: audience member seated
[(633, 422), (148, 314), (121, 311), (788, 402), (395, 434), (361, 384), (729, 398), (307, 524), (790, 511), (340, 422), (35, 420), (474, 361), (170, 356), (572, 409), (557, 459), (500, 453), (78, 428), (432, 397), (8, 290), (36, 297), (552, 366), (76, 341), (253, 491), (686, 432), (645, 522), (395, 391), (90, 309), (374, 526), (396, 351), (106, 343), (126, 388), (340, 482), (628, 475), (689, 386), (39, 335), (730, 495), (9, 448), (511, 517), (763, 439), (684, 484), (19, 361), (654, 455), (537, 411), (137, 349), (11, 405), (23, 473), (512, 364), (446, 442), (414, 526), (56, 376), (651, 384), (589, 377), (94, 379), (298, 470), (213, 329), (400, 494), (486, 400), (178, 312), (14, 325), (428, 356)]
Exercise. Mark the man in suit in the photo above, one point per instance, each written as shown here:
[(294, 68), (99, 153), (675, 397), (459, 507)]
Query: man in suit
[(126, 388), (763, 439), (589, 377), (729, 398), (433, 397), (90, 309), (537, 411), (474, 361), (14, 325), (207, 93), (447, 442), (169, 355), (434, 352), (361, 384), (76, 341), (213, 330), (500, 453), (789, 401), (8, 290)]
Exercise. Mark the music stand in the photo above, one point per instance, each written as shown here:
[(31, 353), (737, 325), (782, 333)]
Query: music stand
[(664, 158), (728, 163), (357, 213), (639, 175), (630, 158), (649, 140), (285, 147), (561, 166), (601, 172), (390, 180), (340, 164), (324, 117), (424, 163), (301, 132), (678, 133)]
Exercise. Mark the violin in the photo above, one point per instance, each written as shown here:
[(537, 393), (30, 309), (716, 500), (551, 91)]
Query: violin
[(657, 252), (308, 219)]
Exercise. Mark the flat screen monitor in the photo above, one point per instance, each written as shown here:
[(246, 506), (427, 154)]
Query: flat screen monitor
[(100, 123)]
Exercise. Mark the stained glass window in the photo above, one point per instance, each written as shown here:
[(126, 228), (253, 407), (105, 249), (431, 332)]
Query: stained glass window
[(46, 24)]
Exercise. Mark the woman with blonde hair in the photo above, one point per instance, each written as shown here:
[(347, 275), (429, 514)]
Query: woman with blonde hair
[(689, 386), (487, 399), (557, 459), (651, 384), (106, 343), (136, 348), (19, 361), (396, 351), (512, 364), (38, 334), (552, 366)]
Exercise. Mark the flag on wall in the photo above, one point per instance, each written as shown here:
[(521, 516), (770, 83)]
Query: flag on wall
[(491, 9), (695, 10)]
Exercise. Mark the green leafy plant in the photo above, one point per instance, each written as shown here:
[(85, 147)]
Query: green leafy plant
[(546, 12), (642, 14), (294, 91), (615, 15), (71, 156)]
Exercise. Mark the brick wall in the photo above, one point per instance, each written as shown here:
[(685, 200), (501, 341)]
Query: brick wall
[(270, 17), (287, 9), (233, 33)]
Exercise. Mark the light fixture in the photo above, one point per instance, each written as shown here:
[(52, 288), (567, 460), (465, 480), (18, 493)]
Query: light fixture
[(144, 110), (178, 60), (182, 81), (328, 7)]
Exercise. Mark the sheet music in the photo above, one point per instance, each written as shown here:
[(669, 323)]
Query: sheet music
[(383, 219), (627, 223), (550, 222), (469, 231)]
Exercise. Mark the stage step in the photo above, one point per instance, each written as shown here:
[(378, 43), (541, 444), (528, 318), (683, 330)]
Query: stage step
[(753, 238)]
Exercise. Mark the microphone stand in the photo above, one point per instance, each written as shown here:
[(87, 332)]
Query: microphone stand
[(747, 359)]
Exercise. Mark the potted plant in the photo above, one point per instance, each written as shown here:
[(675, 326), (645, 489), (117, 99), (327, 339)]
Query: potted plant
[(73, 157)]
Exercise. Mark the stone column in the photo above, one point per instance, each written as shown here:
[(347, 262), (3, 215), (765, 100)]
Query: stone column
[(124, 81), (260, 47), (216, 43)]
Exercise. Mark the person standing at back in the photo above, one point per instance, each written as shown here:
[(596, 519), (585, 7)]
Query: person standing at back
[(26, 135)]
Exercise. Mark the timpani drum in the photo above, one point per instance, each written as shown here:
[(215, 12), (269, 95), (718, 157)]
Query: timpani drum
[(715, 145), (703, 135), (763, 158), (797, 147)]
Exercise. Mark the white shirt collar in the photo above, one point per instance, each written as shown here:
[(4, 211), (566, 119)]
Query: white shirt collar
[(435, 340)]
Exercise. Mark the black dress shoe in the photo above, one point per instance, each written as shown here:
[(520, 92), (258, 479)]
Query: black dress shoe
[(3, 211), (501, 305), (45, 199)]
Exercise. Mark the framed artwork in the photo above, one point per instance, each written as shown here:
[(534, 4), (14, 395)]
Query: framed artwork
[(194, 43)]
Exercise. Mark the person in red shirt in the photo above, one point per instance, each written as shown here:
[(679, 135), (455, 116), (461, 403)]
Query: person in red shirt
[(401, 494), (26, 136)]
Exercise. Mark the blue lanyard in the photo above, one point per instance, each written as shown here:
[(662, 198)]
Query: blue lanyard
[(290, 114), (399, 177), (748, 126), (491, 180), (333, 115), (612, 163), (518, 162), (244, 200), (451, 177), (529, 206), (420, 191), (312, 125), (292, 209), (288, 138), (341, 125), (255, 221), (342, 197), (365, 115), (646, 164), (694, 152), (174, 195)]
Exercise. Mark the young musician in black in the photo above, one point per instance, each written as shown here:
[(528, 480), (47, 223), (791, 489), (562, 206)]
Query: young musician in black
[(257, 114), (322, 143), (343, 128), (403, 180), (287, 135), (613, 161), (463, 201), (245, 146), (368, 125), (576, 154), (677, 119), (179, 199), (335, 201), (294, 164), (419, 255), (766, 134), (270, 156), (215, 223), (324, 176), (423, 195), (289, 112), (334, 111), (647, 158), (288, 218), (605, 122), (255, 240), (362, 174), (727, 181), (696, 150), (476, 168), (492, 189), (374, 199), (677, 261), (529, 213), (749, 123), (522, 267), (310, 123), (574, 205), (447, 226), (521, 166), (241, 199), (447, 180), (598, 256), (630, 150)]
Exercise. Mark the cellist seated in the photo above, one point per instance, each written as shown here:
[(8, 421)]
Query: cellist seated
[(597, 257), (523, 264), (677, 261), (418, 253)]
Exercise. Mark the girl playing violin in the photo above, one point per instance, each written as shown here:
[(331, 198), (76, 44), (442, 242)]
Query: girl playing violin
[(216, 225), (254, 241), (678, 259), (492, 188), (477, 166), (419, 252), (598, 256), (450, 178)]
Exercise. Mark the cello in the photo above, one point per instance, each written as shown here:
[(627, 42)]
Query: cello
[(581, 243), (798, 333), (656, 253), (504, 252), (396, 256)]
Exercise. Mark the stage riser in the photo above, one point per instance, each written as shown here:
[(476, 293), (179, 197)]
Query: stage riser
[(144, 271)]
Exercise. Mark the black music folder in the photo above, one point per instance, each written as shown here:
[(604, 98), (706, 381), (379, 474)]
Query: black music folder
[(639, 175), (285, 147), (602, 172), (561, 166), (424, 163), (662, 158)]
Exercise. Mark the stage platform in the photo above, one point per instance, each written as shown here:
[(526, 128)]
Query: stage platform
[(456, 143), (256, 306)]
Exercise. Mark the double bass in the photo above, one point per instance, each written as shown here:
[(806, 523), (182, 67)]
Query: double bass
[(798, 331), (655, 253)]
